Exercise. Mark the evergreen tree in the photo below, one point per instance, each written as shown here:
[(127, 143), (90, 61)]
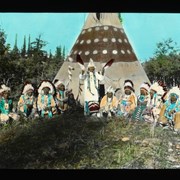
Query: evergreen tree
[(58, 53), (37, 46), (63, 53), (50, 54), (2, 42), (15, 51), (29, 47), (23, 50)]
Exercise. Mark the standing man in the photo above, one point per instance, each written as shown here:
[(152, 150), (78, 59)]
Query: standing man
[(91, 88)]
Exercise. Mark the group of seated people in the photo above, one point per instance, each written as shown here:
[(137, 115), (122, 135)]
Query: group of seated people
[(155, 103), (51, 99)]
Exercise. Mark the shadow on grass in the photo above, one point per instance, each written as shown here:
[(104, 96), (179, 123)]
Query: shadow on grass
[(46, 143)]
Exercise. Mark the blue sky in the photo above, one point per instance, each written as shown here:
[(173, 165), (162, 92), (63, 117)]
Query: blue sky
[(144, 30)]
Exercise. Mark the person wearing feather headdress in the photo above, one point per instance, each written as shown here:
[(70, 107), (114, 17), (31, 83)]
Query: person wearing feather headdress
[(45, 102), (170, 112), (91, 80), (151, 113), (108, 104), (61, 97), (27, 102), (6, 106), (128, 100), (143, 100)]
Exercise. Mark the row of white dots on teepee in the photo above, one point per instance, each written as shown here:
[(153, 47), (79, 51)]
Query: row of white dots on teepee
[(99, 28), (89, 41), (103, 51)]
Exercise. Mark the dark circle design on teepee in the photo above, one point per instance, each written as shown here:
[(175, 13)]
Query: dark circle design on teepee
[(99, 39)]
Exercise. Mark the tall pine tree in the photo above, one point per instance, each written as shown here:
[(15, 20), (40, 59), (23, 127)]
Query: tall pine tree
[(29, 47), (15, 51), (2, 42), (23, 50), (50, 54), (58, 53), (37, 46), (63, 53)]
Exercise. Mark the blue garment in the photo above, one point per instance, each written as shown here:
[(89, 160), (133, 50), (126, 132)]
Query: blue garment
[(170, 107), (27, 101), (141, 106), (48, 105), (86, 110), (3, 109)]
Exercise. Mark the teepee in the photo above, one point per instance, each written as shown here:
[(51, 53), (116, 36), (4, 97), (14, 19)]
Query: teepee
[(103, 38)]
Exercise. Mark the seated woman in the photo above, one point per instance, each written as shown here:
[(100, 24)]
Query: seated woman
[(169, 114), (6, 106), (61, 97), (27, 102), (143, 101), (151, 113), (45, 102), (128, 100), (108, 104)]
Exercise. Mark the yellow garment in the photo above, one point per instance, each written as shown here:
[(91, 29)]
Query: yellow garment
[(60, 101), (164, 120), (177, 121), (21, 103), (42, 106), (131, 102), (108, 105)]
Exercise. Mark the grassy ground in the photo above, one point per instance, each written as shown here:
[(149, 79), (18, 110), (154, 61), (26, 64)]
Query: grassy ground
[(72, 141)]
